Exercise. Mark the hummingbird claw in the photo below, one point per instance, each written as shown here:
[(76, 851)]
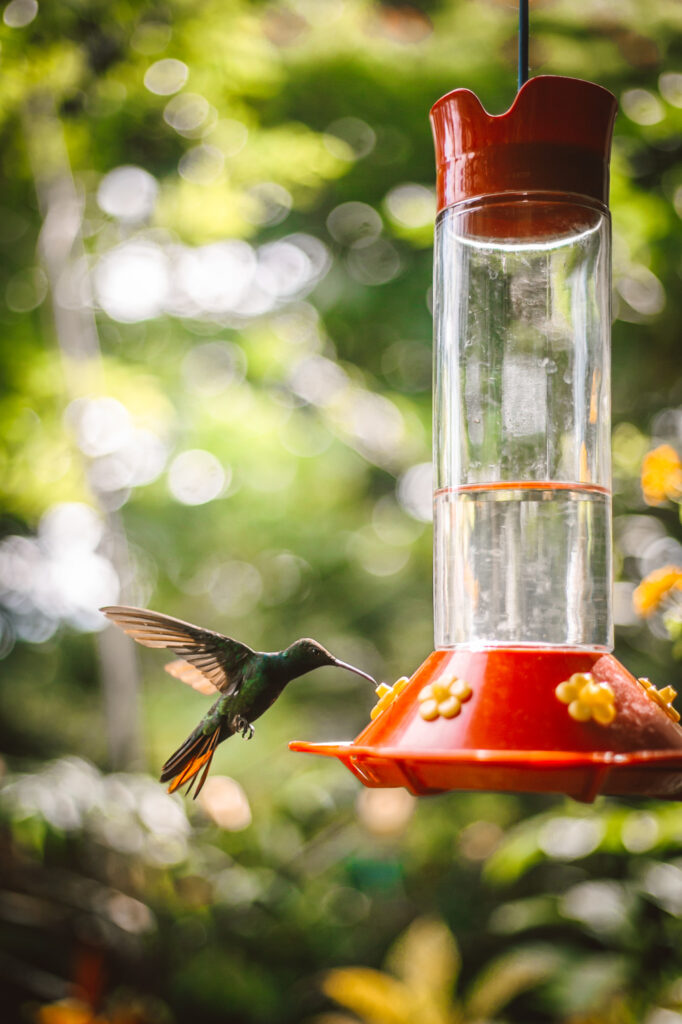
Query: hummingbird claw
[(240, 724)]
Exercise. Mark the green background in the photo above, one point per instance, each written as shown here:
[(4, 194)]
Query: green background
[(257, 464)]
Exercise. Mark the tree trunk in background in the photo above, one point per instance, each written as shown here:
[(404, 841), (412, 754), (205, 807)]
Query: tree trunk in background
[(63, 255)]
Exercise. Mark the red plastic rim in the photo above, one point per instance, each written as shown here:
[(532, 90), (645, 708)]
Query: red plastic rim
[(583, 776), (543, 758)]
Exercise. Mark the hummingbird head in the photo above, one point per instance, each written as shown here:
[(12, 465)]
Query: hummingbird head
[(307, 655)]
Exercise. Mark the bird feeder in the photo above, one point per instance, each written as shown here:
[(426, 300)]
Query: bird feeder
[(522, 692)]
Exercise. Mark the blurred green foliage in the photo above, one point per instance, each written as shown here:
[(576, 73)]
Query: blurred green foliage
[(251, 235)]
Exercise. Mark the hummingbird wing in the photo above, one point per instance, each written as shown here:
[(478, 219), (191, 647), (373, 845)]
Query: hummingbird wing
[(216, 657), (187, 673)]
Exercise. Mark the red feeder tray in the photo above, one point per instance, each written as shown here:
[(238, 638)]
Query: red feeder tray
[(515, 734)]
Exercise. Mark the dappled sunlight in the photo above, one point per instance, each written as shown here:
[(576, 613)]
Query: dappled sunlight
[(202, 165), (415, 491), (236, 588), (376, 556), (128, 193), (642, 106), (166, 76), (19, 13), (57, 576), (602, 906), (212, 367), (140, 279), (318, 380), (385, 813), (357, 137), (128, 813), (271, 204), (132, 281), (670, 86), (375, 264), (216, 264), (195, 477), (26, 290), (102, 425), (217, 277), (188, 114), (354, 224), (640, 831), (642, 291), (226, 803), (414, 206), (570, 838)]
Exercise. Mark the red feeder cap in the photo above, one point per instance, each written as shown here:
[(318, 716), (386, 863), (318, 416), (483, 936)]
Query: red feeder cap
[(555, 137)]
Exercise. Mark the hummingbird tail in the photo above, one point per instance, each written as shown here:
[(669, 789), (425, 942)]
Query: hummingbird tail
[(185, 764)]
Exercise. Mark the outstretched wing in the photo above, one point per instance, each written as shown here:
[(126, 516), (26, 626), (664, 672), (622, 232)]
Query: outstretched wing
[(183, 670), (217, 658)]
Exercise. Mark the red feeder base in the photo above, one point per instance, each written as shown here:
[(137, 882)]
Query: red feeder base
[(515, 734)]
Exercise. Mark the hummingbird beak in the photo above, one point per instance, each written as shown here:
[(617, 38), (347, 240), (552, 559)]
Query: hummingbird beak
[(357, 671)]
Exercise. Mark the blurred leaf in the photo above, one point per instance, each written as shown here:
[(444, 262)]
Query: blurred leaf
[(514, 856), (375, 997), (618, 1011), (505, 978), (520, 915), (427, 959), (587, 984)]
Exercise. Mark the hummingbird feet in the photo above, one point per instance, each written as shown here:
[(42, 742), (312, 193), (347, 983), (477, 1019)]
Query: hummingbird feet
[(240, 724)]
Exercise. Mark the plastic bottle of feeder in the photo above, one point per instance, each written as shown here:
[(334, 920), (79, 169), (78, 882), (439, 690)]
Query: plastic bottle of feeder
[(522, 505)]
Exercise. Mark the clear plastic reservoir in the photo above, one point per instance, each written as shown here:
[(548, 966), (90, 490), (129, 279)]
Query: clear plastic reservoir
[(522, 504)]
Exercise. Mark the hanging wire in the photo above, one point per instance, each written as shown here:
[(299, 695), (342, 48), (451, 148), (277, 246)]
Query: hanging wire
[(523, 42)]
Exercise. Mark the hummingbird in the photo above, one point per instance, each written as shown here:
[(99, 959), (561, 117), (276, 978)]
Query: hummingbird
[(247, 682)]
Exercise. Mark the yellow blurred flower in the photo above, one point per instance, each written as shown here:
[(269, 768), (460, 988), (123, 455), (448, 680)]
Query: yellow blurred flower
[(421, 981), (661, 475), (655, 587)]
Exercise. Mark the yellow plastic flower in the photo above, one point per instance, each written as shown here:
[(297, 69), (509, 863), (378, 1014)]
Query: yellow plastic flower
[(661, 475), (587, 699), (664, 697), (387, 695), (655, 587), (443, 698)]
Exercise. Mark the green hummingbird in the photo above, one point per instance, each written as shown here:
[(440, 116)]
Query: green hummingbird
[(247, 681)]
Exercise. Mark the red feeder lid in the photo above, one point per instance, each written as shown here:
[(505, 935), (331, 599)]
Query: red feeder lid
[(555, 137), (517, 728)]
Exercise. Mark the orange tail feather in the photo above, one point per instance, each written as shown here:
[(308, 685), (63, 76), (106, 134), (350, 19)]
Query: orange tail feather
[(205, 749)]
